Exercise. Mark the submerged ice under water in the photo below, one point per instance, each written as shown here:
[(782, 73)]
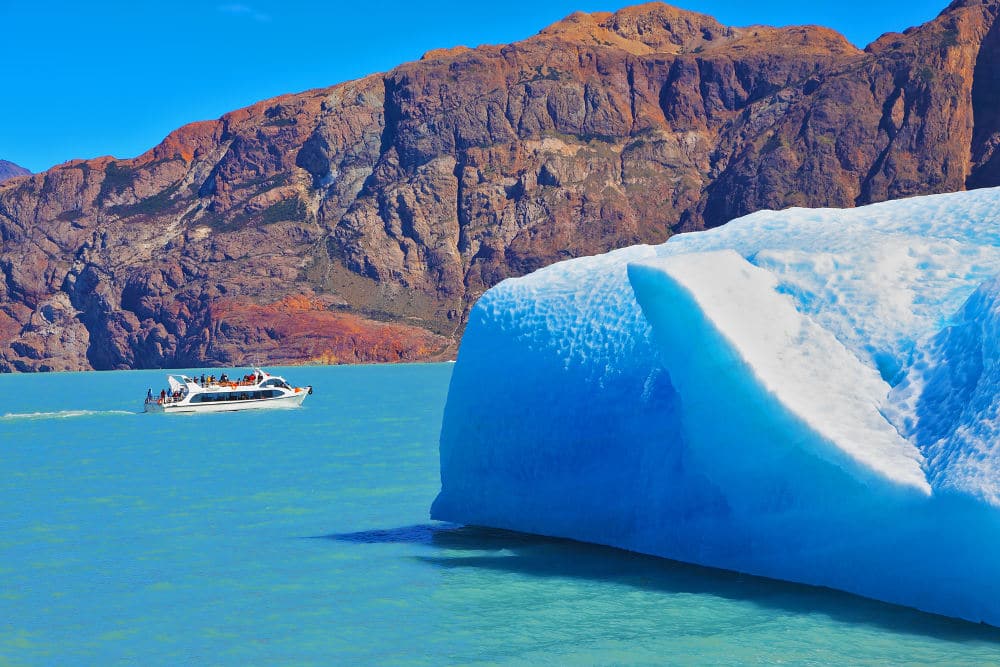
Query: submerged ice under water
[(810, 395), (302, 537)]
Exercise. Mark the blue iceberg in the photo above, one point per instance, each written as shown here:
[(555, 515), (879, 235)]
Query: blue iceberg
[(810, 395)]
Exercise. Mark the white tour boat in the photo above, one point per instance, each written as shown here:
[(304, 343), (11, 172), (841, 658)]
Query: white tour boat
[(223, 394)]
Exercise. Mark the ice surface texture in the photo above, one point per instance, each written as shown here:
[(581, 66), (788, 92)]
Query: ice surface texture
[(810, 395)]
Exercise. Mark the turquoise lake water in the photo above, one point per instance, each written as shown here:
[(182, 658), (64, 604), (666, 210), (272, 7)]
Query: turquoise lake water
[(302, 537)]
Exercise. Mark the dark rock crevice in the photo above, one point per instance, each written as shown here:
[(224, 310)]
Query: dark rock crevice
[(986, 111)]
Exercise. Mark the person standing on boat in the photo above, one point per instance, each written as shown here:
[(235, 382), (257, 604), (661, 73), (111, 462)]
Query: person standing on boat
[(149, 395)]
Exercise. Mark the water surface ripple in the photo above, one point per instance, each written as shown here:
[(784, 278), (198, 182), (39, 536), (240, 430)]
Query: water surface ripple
[(302, 537)]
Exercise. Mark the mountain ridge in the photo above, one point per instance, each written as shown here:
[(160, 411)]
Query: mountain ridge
[(10, 170), (388, 204)]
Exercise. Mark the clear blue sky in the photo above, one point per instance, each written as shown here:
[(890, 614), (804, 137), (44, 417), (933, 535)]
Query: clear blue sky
[(84, 79)]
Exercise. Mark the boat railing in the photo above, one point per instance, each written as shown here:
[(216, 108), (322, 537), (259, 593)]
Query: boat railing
[(216, 383), (227, 385)]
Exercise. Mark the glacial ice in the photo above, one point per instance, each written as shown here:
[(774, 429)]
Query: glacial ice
[(949, 403), (810, 395), (784, 380)]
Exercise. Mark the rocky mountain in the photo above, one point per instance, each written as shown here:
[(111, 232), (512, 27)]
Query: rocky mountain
[(360, 222), (9, 170)]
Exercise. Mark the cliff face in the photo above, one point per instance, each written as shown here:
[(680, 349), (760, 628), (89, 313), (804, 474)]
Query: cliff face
[(10, 170), (360, 222)]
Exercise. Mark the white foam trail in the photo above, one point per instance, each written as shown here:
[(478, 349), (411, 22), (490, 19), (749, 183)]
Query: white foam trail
[(63, 414)]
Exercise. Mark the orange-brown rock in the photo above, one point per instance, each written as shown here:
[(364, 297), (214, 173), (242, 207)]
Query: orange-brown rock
[(397, 199), (300, 329)]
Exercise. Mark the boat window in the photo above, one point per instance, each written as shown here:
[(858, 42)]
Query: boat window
[(208, 398), (235, 396)]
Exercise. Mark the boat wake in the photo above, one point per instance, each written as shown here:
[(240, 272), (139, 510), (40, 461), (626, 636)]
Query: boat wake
[(63, 414)]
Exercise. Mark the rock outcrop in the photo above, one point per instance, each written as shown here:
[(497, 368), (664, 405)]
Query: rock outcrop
[(360, 222), (10, 170)]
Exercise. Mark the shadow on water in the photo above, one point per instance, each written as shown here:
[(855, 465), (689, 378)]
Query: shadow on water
[(532, 555)]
